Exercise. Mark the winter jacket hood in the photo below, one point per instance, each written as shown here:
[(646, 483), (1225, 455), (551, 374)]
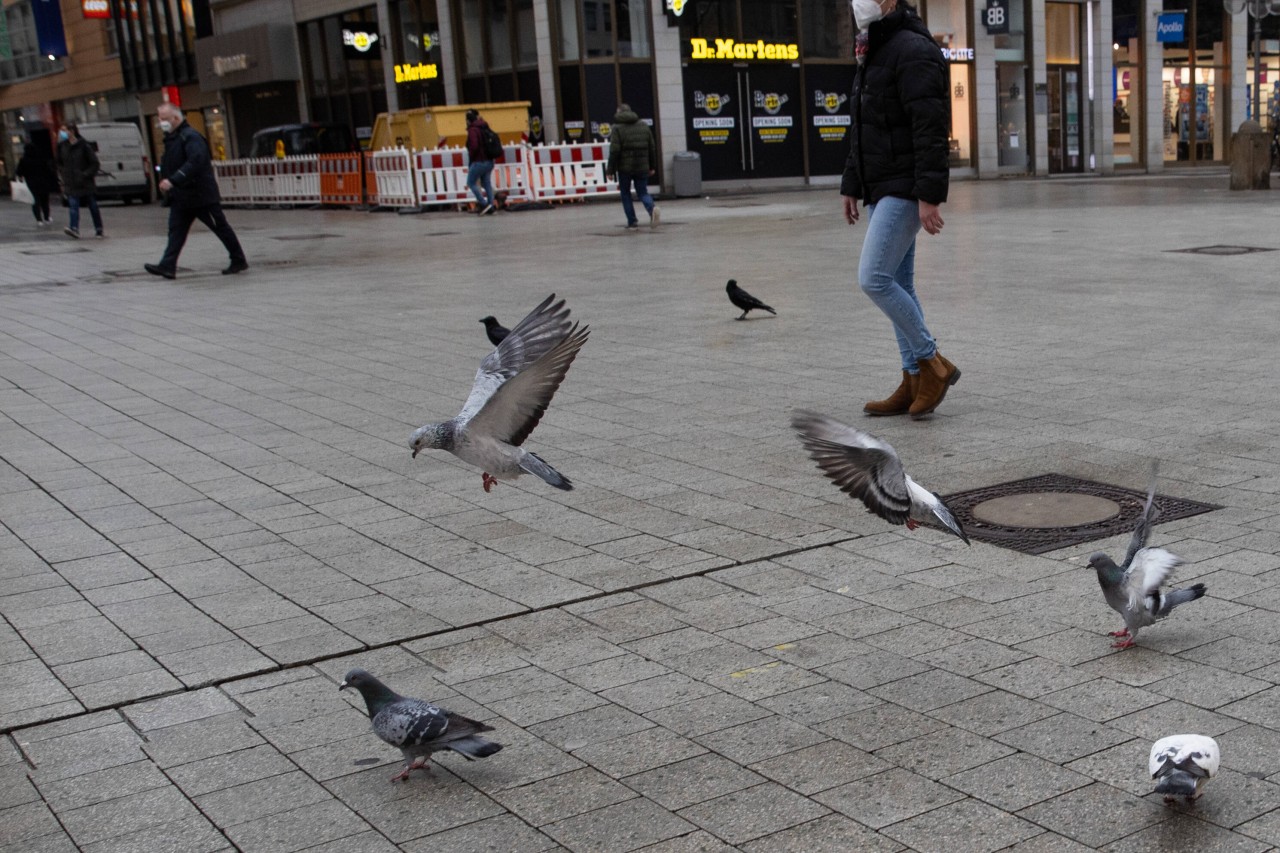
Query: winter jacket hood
[(901, 115), (632, 148)]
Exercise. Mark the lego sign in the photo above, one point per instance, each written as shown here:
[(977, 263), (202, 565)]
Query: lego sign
[(96, 8)]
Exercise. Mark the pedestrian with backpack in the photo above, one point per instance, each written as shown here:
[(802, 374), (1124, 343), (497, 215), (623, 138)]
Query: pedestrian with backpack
[(483, 147)]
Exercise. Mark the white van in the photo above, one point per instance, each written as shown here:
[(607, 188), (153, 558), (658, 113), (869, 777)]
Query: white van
[(125, 167)]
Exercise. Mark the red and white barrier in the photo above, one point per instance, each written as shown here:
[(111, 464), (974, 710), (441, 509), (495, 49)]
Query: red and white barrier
[(561, 172), (441, 176), (233, 181), (262, 180), (298, 180), (393, 185), (511, 173)]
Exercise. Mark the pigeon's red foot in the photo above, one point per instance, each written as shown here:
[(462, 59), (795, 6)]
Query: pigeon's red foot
[(489, 481), (418, 764), (912, 524), (1124, 632), (1123, 644)]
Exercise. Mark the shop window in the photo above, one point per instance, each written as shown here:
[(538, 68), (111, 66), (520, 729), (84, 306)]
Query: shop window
[(569, 44), (1195, 80), (1126, 82), (827, 29), (24, 61), (499, 21), (769, 20), (948, 21)]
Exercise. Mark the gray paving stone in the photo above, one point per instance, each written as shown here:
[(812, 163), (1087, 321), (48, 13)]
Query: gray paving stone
[(1062, 738), (831, 834), (881, 726), (1016, 781), (886, 798), (127, 815), (635, 753), (1095, 815), (817, 768), (753, 812), (940, 754), (1184, 832), (961, 827), (628, 825), (502, 832), (694, 780), (560, 797)]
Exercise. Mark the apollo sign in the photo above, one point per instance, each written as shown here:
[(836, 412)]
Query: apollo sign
[(1171, 27)]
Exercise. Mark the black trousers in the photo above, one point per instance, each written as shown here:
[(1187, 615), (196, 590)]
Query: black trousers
[(180, 219), (40, 207)]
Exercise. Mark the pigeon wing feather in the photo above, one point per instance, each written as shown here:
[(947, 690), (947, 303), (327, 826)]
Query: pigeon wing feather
[(860, 464), (1149, 570), (516, 406), (1143, 528), (531, 339), (410, 722)]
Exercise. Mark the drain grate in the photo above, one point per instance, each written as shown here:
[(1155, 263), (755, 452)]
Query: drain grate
[(1221, 250), (985, 527), (288, 237), (54, 250)]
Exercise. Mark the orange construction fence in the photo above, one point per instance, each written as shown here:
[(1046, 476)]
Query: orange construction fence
[(342, 179)]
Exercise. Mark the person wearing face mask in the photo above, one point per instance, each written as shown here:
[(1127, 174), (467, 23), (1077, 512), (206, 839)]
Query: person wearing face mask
[(78, 169), (186, 176), (897, 167)]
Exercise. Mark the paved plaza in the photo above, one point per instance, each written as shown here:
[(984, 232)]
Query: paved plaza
[(209, 513)]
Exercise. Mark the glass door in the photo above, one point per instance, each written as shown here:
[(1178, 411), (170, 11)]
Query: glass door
[(1064, 120)]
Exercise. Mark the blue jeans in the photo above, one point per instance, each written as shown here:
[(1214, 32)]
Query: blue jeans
[(641, 180), (481, 171), (74, 202), (886, 273)]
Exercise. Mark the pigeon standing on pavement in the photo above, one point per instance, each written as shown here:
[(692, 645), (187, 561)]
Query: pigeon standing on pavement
[(513, 387), (1181, 764), (869, 469), (416, 727), (1132, 588), (741, 299), (494, 330)]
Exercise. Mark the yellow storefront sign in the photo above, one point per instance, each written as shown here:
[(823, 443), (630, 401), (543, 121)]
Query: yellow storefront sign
[(407, 72), (730, 49)]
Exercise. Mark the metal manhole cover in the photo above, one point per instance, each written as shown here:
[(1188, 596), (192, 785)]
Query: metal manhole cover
[(281, 263), (1221, 250), (286, 237), (30, 287), (54, 250), (1052, 511), (740, 204)]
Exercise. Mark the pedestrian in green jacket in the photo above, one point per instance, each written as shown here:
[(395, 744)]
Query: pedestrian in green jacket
[(633, 157)]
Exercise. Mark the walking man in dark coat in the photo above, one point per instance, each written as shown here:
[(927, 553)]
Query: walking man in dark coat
[(186, 172), (78, 167), (633, 157)]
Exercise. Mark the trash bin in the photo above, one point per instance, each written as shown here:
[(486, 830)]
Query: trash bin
[(687, 173)]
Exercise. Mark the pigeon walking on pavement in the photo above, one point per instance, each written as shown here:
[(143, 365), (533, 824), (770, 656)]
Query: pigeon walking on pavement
[(416, 727), (494, 330), (513, 387), (1132, 588), (869, 469), (741, 299), (1181, 764)]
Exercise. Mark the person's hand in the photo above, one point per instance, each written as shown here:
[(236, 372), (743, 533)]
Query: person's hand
[(609, 176), (653, 172), (165, 185), (850, 209), (930, 217)]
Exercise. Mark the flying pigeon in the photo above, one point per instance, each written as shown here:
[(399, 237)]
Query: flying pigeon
[(513, 387), (495, 330), (869, 469), (1132, 588), (418, 728), (741, 299), (1181, 764)]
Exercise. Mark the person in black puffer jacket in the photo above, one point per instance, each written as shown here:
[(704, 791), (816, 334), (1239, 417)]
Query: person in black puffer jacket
[(898, 168), (186, 172)]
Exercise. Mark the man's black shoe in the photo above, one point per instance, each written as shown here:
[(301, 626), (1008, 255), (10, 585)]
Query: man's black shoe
[(236, 266), (160, 271)]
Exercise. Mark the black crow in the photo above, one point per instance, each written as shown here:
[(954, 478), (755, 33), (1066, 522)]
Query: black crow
[(741, 299), (495, 330)]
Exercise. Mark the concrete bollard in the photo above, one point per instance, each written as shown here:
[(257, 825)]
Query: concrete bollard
[(1250, 158)]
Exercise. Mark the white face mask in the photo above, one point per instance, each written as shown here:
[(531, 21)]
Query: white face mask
[(866, 12), (166, 126)]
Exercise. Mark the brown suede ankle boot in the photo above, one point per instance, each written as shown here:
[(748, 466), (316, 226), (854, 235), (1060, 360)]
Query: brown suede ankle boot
[(898, 402), (936, 376)]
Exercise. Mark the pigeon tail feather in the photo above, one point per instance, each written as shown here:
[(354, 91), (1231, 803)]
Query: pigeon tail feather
[(474, 747), (1181, 596), (534, 464), (1177, 783)]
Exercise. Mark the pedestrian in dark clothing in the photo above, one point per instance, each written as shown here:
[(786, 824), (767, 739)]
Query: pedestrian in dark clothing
[(36, 168), (78, 167), (481, 169), (633, 157), (186, 174), (898, 167)]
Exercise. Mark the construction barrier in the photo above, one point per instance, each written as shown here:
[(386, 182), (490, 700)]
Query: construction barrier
[(298, 180), (341, 179), (441, 176), (562, 172), (399, 178), (233, 181), (392, 172)]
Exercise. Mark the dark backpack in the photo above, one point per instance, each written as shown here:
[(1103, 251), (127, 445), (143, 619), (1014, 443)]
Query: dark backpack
[(490, 143)]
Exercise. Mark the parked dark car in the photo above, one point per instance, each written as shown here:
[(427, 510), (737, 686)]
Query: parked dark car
[(312, 138)]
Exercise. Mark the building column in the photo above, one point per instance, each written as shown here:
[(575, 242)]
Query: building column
[(1103, 118), (548, 84), (1153, 119), (986, 101), (1237, 89), (449, 57), (1039, 87), (387, 35), (668, 91)]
